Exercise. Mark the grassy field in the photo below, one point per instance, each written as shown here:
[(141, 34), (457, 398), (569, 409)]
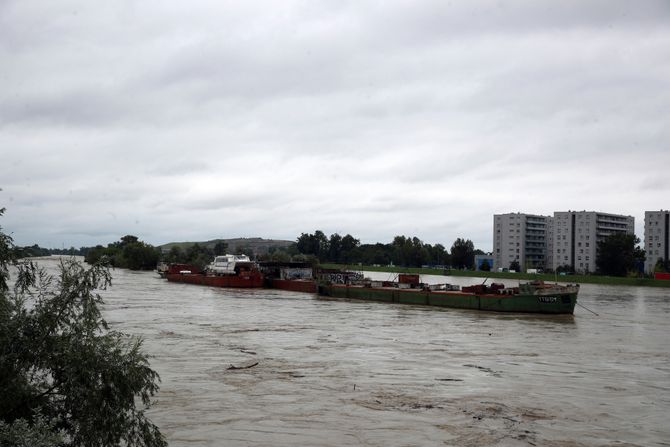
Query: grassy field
[(579, 279)]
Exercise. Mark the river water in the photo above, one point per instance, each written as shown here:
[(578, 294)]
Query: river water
[(309, 371)]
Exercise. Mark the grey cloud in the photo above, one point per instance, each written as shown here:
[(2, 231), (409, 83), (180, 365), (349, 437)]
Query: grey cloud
[(206, 120)]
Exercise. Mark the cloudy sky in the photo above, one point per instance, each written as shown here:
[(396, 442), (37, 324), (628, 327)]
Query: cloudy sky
[(196, 120)]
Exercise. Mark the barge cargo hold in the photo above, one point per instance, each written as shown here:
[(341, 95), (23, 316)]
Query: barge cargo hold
[(532, 297)]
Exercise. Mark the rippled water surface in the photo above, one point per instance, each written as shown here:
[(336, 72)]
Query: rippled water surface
[(318, 372)]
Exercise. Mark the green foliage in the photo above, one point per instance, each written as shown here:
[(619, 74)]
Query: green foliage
[(276, 254), (617, 254), (565, 268), (463, 254), (35, 251), (220, 248), (198, 255), (485, 267), (175, 255), (662, 266), (140, 256), (7, 255), (66, 379), (314, 244), (514, 265), (244, 250), (409, 251), (129, 252), (346, 249), (38, 433), (195, 254)]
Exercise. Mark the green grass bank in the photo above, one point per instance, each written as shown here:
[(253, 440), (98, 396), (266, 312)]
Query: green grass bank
[(579, 279)]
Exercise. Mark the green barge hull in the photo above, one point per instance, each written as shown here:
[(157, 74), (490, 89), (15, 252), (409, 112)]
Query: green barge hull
[(544, 301)]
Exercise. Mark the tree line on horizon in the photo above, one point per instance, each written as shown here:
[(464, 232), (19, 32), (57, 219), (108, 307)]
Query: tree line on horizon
[(402, 251), (132, 253), (618, 255)]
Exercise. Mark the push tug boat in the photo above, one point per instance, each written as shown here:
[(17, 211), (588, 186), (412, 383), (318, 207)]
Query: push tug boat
[(225, 271), (530, 297)]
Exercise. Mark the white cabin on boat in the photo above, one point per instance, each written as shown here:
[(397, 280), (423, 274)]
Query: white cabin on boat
[(225, 264)]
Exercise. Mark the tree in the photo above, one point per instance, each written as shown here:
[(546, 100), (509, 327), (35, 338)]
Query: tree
[(514, 265), (128, 239), (243, 249), (617, 254), (140, 256), (199, 255), (175, 255), (220, 248), (275, 256), (565, 268), (485, 266), (438, 254), (335, 248), (463, 254), (66, 379), (401, 250), (662, 266), (314, 244), (129, 252)]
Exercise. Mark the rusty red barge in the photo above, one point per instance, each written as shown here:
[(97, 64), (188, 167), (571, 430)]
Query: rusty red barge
[(226, 271), (238, 271)]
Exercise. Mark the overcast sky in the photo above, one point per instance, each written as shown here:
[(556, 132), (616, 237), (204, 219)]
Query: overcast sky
[(177, 121)]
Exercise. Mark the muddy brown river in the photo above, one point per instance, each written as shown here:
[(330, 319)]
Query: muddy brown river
[(275, 368)]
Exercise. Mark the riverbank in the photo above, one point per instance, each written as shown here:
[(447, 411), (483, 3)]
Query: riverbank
[(580, 279)]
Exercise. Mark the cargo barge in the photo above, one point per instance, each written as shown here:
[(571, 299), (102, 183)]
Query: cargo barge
[(531, 297), (291, 276), (236, 271)]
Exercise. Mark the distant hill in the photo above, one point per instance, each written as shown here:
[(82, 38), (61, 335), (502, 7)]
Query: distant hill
[(258, 245)]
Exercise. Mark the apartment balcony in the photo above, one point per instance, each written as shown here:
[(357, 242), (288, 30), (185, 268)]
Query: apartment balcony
[(612, 227), (611, 220)]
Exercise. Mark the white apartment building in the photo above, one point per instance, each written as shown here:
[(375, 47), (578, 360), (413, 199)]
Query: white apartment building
[(522, 238), (576, 235), (656, 238)]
